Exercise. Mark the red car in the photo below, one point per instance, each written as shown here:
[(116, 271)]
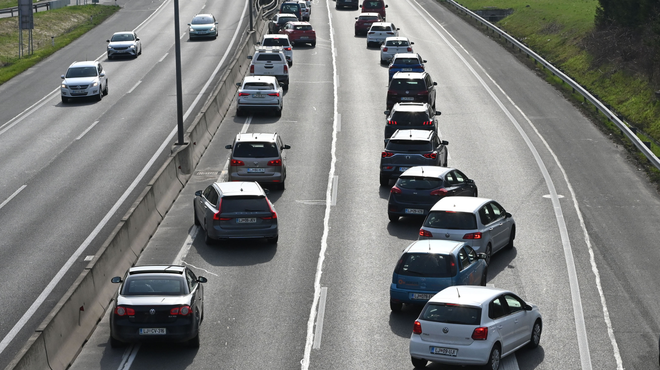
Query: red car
[(300, 33), (374, 6), (364, 21)]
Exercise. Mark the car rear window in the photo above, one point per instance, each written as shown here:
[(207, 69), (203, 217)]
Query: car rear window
[(285, 20), (406, 61), (255, 150), (258, 86), (269, 57), (451, 314), (233, 204), (426, 265), (368, 18), (304, 27), (411, 119), (419, 183), (278, 41), (396, 43), (290, 8), (451, 220), (407, 84), (409, 145), (143, 285), (380, 28)]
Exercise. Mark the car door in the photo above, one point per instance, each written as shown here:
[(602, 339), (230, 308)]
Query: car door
[(197, 294), (521, 319), (207, 206), (501, 225), (503, 322), (468, 267), (463, 186)]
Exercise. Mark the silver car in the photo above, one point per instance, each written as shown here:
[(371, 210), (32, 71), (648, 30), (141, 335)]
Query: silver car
[(203, 25), (258, 157), (124, 44), (394, 45), (483, 223), (82, 80), (259, 93), (410, 148)]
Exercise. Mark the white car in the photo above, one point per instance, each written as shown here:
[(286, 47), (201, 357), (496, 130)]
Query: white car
[(473, 325), (379, 31), (84, 79), (305, 10), (282, 41), (270, 61), (482, 223), (394, 45), (124, 44), (259, 93)]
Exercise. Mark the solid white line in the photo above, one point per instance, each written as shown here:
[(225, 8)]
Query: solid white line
[(335, 181), (338, 122), (133, 88), (129, 356), (163, 57), (183, 34), (86, 131), (12, 196), (246, 124), (183, 252), (319, 320), (510, 362), (304, 362)]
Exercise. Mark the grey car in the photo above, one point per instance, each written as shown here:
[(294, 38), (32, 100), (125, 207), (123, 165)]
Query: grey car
[(124, 44), (235, 210), (421, 187), (409, 116), (203, 26), (258, 157), (410, 148)]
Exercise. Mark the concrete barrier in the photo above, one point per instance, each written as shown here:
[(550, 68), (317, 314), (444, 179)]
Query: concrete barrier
[(32, 356), (166, 186)]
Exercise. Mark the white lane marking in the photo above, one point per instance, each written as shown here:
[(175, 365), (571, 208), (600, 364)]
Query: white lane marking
[(87, 130), (183, 34), (335, 181), (187, 244), (133, 88), (246, 124), (12, 197), (319, 320), (510, 362), (225, 169), (163, 57), (198, 268), (338, 122), (129, 356), (304, 362), (74, 257), (580, 327)]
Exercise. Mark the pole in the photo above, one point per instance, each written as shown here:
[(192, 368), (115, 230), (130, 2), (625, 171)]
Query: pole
[(179, 93), (251, 24)]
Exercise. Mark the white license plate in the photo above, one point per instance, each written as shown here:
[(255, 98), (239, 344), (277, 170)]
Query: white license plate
[(253, 170), (444, 351), (425, 296), (153, 331), (258, 95), (403, 169), (414, 211), (244, 220), (407, 98), (406, 69)]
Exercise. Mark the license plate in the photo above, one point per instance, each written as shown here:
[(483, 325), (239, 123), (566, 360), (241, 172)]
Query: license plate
[(406, 69), (250, 220), (444, 351), (407, 98), (304, 37), (253, 170), (403, 169), (153, 331), (414, 211), (424, 296), (258, 95), (367, 24)]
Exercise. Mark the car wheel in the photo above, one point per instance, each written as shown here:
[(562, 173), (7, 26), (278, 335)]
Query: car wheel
[(357, 33), (392, 217), (105, 91), (418, 363), (194, 343), (511, 237), (273, 240), (278, 112), (114, 343), (489, 252), (384, 180), (494, 358), (239, 112), (195, 216), (109, 57), (100, 96), (282, 185), (396, 307), (313, 44), (536, 334), (476, 193), (285, 86), (207, 238), (484, 277), (383, 61), (65, 99)]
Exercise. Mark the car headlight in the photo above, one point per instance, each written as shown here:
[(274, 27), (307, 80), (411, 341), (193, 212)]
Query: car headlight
[(192, 29), (132, 46), (64, 86), (212, 28), (96, 83), (109, 47)]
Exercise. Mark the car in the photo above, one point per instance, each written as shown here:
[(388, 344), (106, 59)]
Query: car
[(236, 210), (374, 6), (281, 40), (429, 266), (482, 222), (258, 157), (343, 4), (405, 62), (82, 80), (392, 46), (270, 61), (410, 148), (473, 325), (300, 33), (411, 87), (279, 20), (259, 93), (419, 116), (203, 26), (419, 188), (157, 303), (124, 44), (363, 22), (304, 10), (379, 31), (292, 7)]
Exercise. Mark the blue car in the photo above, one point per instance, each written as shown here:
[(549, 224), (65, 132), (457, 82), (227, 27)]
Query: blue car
[(429, 266), (406, 62)]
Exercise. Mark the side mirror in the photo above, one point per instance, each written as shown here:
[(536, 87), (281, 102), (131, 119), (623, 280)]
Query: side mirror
[(356, 17), (102, 74), (398, 29), (528, 307), (198, 193), (238, 84), (360, 6), (286, 147), (267, 191), (386, 6), (216, 22), (444, 142), (508, 215), (228, 146), (202, 279), (412, 43), (137, 39), (62, 76), (249, 57), (469, 181), (482, 256), (434, 83), (189, 24), (107, 40), (116, 280), (424, 61), (437, 113), (387, 113)]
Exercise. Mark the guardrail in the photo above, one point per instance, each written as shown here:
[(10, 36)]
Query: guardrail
[(625, 129), (35, 7)]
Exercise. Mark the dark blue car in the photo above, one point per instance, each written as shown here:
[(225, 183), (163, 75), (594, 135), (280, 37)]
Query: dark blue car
[(406, 62)]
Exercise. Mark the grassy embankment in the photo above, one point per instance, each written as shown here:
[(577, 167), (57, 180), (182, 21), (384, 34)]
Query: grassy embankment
[(66, 24), (558, 30)]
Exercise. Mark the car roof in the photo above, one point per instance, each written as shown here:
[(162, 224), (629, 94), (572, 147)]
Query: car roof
[(298, 23), (468, 295), (408, 75), (412, 135), (427, 171), (460, 204), (233, 188), (382, 24), (407, 55), (411, 107), (395, 38), (255, 137), (290, 15), (157, 269), (87, 63), (123, 33), (271, 79), (433, 246)]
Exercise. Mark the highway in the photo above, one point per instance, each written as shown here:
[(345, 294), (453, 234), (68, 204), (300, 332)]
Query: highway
[(586, 217)]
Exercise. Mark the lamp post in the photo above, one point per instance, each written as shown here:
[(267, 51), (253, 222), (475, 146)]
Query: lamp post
[(179, 94)]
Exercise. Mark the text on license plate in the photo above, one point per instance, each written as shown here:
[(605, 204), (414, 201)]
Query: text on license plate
[(256, 169), (414, 211), (406, 69), (408, 98), (304, 37), (258, 95), (153, 331), (403, 169), (444, 351), (425, 296), (246, 220)]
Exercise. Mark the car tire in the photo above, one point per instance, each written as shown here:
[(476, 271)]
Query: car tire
[(397, 307), (357, 33), (65, 100), (207, 239), (476, 193), (494, 359), (105, 91), (384, 180), (484, 277), (114, 343), (535, 338), (197, 223), (194, 342), (313, 44), (489, 254), (393, 217), (278, 112), (273, 240), (239, 112), (418, 363), (383, 62), (99, 97), (285, 86), (512, 236), (109, 57)]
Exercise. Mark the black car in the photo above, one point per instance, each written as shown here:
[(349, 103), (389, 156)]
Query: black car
[(419, 188), (409, 116), (157, 303), (279, 20), (353, 4), (411, 87), (410, 148)]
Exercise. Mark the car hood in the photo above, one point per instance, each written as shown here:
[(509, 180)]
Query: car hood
[(121, 44), (202, 27), (153, 300), (81, 80)]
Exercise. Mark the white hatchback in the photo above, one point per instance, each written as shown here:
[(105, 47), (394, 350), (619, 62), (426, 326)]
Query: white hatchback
[(379, 31), (473, 325)]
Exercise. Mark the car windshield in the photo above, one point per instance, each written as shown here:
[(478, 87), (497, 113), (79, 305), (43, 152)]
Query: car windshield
[(409, 145), (258, 86), (396, 43), (426, 265), (150, 285), (418, 183), (451, 220), (302, 27), (410, 119), (380, 28), (276, 41), (81, 72), (269, 56), (123, 37), (255, 150), (233, 204), (451, 314), (407, 84), (406, 61), (202, 20)]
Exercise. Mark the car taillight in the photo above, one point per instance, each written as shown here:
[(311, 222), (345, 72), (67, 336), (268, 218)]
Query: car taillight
[(273, 214), (124, 311), (409, 48), (216, 216), (274, 94), (417, 327), (387, 154), (439, 192), (472, 236), (385, 49), (427, 123), (286, 69), (252, 69), (433, 155), (236, 162), (392, 92), (480, 333), (288, 49), (395, 190), (275, 162), (390, 122), (423, 93), (425, 233), (243, 94), (181, 311)]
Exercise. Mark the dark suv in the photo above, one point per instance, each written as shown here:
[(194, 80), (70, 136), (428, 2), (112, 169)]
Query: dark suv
[(258, 157), (409, 116), (410, 148), (411, 87)]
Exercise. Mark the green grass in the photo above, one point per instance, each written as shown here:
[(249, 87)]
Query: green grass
[(4, 4), (66, 24)]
